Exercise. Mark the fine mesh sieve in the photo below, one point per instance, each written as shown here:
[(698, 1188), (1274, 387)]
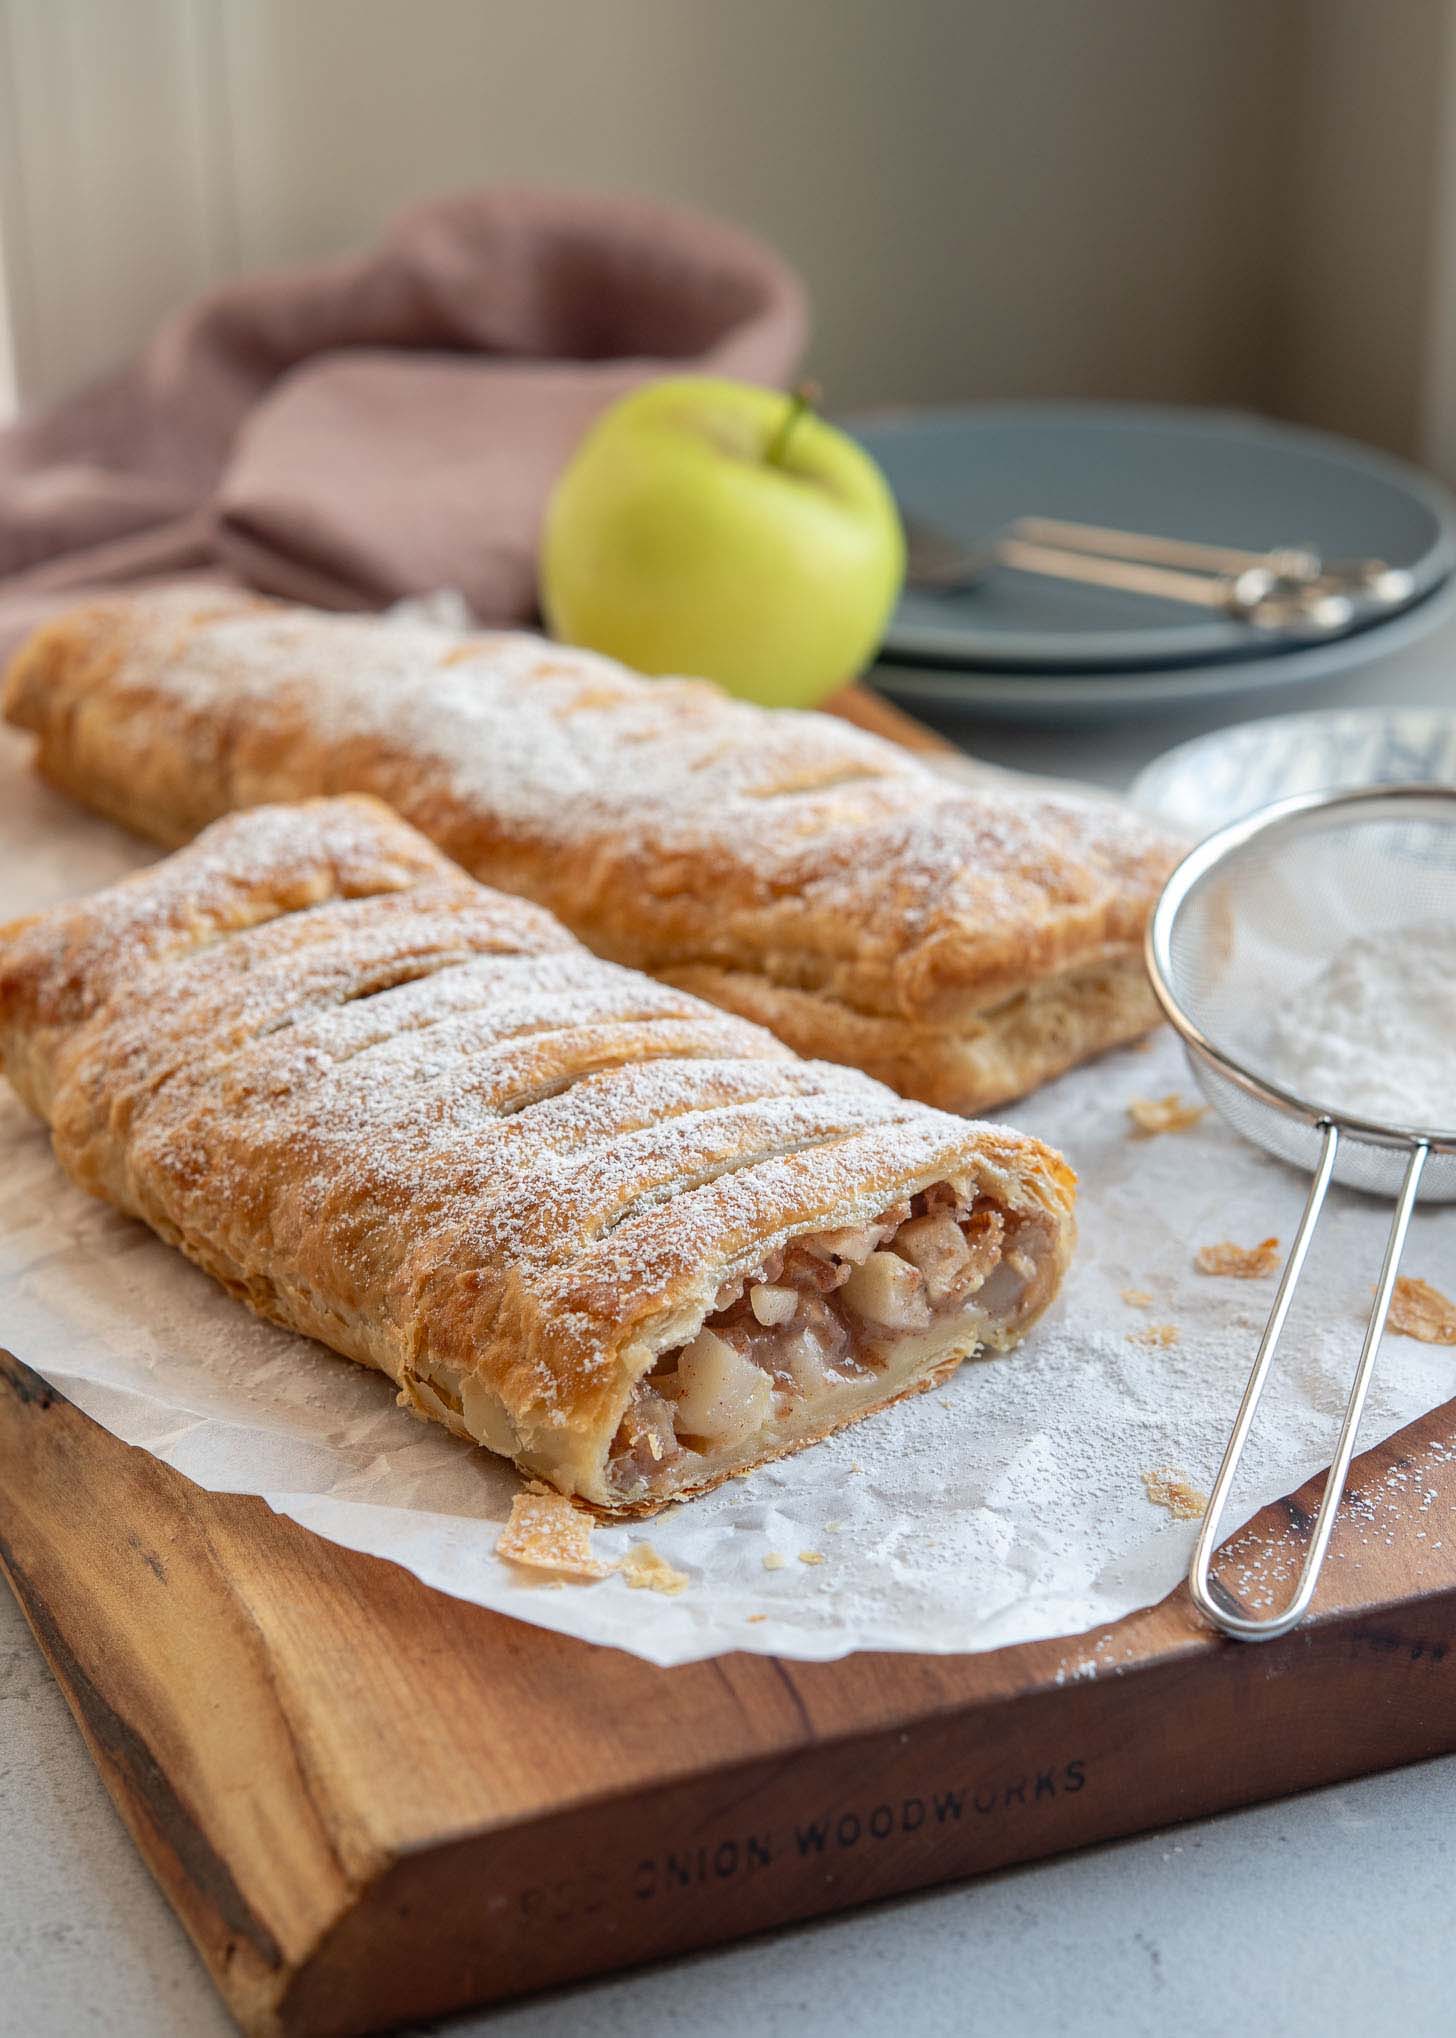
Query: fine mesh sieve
[(1253, 912)]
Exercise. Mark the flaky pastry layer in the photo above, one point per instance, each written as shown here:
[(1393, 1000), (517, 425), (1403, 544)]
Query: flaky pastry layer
[(959, 944), (623, 1237)]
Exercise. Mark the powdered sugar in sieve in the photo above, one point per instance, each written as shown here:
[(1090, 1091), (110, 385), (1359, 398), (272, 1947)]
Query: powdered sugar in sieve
[(1307, 956)]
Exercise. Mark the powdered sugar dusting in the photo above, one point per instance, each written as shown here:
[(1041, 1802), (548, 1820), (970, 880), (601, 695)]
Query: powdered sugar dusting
[(1007, 1507), (1374, 1033), (245, 870), (663, 820), (431, 1111)]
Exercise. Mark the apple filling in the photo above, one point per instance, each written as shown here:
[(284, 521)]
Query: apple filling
[(826, 1328)]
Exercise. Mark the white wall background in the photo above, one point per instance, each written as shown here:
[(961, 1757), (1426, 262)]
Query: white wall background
[(1204, 200)]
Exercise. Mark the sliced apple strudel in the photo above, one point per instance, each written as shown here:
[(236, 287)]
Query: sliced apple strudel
[(961, 945), (626, 1239)]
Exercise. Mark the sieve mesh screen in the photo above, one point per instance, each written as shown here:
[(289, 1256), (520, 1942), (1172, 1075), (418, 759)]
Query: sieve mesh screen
[(1266, 906)]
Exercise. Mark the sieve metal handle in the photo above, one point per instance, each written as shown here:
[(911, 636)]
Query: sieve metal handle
[(1243, 1627)]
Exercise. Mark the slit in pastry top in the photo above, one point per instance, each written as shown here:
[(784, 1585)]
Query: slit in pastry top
[(625, 1238), (960, 942)]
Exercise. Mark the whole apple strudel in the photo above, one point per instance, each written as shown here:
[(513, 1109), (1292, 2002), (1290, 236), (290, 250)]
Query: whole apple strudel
[(578, 1216), (961, 945)]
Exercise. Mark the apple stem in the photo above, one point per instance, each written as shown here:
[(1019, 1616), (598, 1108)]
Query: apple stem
[(804, 398)]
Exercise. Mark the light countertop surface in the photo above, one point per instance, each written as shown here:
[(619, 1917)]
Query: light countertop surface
[(1333, 1912)]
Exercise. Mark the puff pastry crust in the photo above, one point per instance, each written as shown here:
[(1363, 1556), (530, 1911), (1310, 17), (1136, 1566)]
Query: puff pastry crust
[(961, 945), (577, 1215)]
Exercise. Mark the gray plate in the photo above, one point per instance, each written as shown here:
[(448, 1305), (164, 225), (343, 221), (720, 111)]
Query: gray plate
[(1066, 699), (1219, 476)]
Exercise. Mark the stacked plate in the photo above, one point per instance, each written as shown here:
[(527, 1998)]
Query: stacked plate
[(1020, 646)]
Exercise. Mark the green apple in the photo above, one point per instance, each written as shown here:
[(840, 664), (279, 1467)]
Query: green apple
[(717, 529)]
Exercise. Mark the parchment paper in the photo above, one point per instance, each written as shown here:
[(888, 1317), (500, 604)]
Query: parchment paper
[(1008, 1507)]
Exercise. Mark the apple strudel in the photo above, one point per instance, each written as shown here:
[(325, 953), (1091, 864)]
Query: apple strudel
[(961, 945), (628, 1240)]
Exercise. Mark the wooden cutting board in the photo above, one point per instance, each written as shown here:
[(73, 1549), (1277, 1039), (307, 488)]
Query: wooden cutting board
[(368, 1802)]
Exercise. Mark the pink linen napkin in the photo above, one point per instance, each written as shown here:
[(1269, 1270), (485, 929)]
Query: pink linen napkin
[(374, 427)]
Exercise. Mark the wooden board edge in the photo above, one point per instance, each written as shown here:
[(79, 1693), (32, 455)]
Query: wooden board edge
[(116, 1687), (991, 1760), (780, 1841), (236, 1946), (871, 711)]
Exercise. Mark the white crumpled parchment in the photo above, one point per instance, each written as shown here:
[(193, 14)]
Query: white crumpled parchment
[(1007, 1507)]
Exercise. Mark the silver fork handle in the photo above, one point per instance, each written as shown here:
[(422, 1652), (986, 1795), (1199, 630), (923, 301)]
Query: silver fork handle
[(1202, 590), (1290, 562), (1244, 1627), (1255, 596), (1372, 579)]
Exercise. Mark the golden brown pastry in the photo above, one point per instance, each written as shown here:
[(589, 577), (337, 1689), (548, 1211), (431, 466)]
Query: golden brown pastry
[(624, 1238), (960, 945)]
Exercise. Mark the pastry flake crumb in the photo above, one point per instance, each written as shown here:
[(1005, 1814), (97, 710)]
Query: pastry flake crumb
[(1137, 1298), (546, 1532), (1167, 1488), (774, 1562), (1152, 1115), (1161, 1336), (1239, 1262), (1419, 1310), (645, 1570), (811, 1556), (752, 1620)]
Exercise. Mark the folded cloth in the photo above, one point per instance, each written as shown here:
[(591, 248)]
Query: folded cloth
[(371, 428)]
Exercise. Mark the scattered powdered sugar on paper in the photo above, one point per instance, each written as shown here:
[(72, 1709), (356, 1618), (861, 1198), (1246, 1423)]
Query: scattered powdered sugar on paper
[(1374, 1033), (1008, 1506)]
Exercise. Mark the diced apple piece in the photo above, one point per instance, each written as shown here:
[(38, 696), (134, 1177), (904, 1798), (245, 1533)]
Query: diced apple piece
[(720, 1395), (771, 1304), (486, 1418), (985, 1241), (937, 1246), (807, 1361), (889, 1291), (1000, 1295)]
